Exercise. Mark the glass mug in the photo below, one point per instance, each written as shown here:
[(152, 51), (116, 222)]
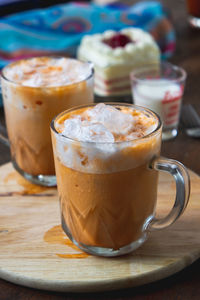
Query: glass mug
[(34, 92), (108, 191)]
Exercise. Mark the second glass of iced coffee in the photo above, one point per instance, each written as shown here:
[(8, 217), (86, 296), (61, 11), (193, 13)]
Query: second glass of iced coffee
[(34, 91), (107, 162)]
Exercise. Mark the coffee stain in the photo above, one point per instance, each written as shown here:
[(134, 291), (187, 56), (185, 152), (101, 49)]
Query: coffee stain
[(28, 187), (56, 235)]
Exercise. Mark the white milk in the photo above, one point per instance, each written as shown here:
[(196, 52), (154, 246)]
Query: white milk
[(162, 96)]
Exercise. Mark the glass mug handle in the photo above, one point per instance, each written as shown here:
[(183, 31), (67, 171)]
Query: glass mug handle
[(182, 180)]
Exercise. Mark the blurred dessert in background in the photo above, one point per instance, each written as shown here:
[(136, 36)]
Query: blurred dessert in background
[(115, 55)]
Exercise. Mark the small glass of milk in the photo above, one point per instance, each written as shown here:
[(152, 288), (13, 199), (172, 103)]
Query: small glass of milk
[(160, 88)]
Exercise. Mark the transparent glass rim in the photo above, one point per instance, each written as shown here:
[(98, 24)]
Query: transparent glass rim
[(164, 64), (141, 108), (91, 74)]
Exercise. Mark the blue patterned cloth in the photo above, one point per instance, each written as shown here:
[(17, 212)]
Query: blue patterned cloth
[(59, 29)]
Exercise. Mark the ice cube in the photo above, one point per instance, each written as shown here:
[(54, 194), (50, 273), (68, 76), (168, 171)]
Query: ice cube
[(85, 131), (72, 128), (96, 132), (34, 81), (113, 119)]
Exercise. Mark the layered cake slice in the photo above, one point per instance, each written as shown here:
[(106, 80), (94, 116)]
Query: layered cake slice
[(115, 55)]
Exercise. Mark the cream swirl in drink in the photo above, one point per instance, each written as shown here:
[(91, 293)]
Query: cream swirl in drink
[(102, 157), (34, 91)]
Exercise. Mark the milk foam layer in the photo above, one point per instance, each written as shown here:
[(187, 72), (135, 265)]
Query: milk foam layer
[(48, 71), (157, 89), (103, 139)]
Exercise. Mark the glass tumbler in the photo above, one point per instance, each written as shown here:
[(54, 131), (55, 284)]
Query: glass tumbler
[(30, 105), (160, 88)]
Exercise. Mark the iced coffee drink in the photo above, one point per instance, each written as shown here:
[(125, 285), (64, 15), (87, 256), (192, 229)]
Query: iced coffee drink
[(106, 187), (35, 91)]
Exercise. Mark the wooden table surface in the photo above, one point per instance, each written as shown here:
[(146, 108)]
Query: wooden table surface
[(185, 284)]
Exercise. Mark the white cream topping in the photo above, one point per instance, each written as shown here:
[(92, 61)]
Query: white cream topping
[(93, 48)]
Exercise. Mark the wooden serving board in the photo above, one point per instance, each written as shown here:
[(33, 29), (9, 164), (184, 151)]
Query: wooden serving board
[(35, 252)]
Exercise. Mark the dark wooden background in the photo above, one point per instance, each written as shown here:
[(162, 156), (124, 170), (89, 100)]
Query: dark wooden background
[(184, 285)]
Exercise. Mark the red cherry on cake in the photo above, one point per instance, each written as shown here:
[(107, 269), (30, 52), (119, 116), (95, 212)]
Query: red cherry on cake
[(118, 40)]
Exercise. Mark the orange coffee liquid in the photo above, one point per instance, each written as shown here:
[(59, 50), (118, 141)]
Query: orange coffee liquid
[(106, 200)]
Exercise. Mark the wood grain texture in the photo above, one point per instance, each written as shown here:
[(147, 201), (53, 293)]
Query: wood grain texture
[(183, 285), (35, 252)]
